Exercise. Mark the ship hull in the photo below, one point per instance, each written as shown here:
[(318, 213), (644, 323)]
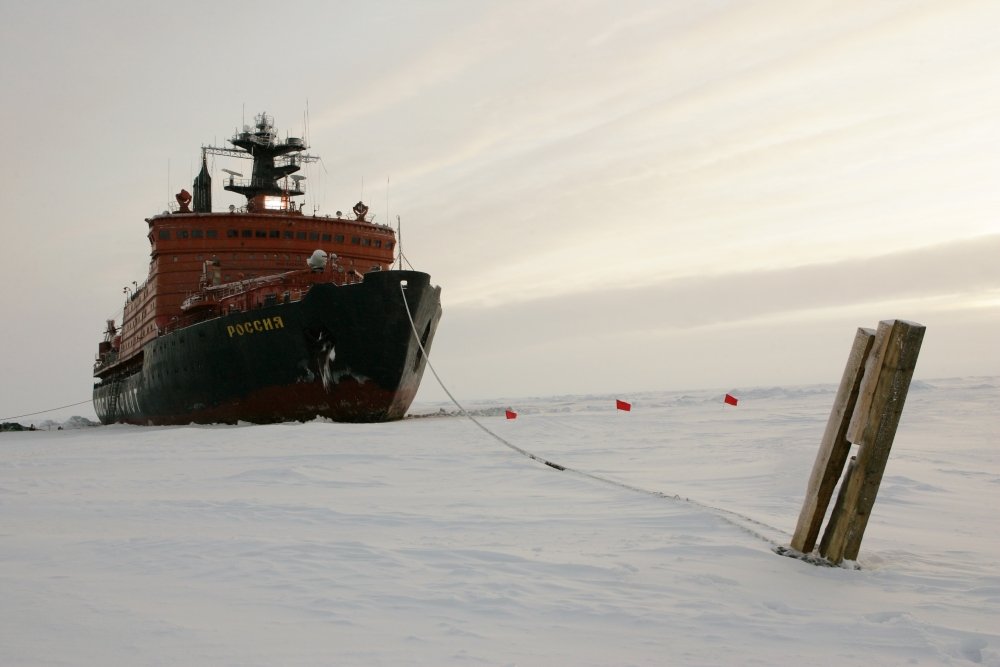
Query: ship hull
[(348, 353)]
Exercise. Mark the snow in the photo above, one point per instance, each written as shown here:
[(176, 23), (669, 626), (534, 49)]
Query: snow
[(429, 542)]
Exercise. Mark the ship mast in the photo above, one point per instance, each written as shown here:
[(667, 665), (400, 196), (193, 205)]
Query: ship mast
[(273, 161)]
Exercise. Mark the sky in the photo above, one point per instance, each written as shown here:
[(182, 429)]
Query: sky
[(613, 196)]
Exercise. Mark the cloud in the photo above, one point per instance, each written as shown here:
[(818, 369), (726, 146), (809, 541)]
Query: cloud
[(783, 326), (957, 270)]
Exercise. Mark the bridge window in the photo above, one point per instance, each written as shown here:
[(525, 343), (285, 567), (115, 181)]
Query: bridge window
[(197, 233), (378, 243), (288, 234), (366, 242), (339, 238), (164, 234), (247, 233), (274, 233), (326, 237), (300, 236), (261, 233), (232, 233), (182, 233), (211, 233), (355, 240), (314, 236)]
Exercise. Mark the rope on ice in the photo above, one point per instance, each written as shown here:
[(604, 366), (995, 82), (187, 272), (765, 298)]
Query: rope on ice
[(741, 521), (41, 412)]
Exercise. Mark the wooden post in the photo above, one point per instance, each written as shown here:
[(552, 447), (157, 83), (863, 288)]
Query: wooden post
[(873, 427), (838, 507), (834, 447)]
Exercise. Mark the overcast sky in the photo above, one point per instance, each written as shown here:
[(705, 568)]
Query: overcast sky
[(614, 196)]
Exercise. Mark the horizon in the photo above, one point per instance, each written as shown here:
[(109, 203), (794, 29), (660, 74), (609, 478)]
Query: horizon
[(746, 394)]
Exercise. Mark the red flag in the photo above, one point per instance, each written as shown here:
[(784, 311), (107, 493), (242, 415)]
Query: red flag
[(731, 400), (622, 405), (511, 414)]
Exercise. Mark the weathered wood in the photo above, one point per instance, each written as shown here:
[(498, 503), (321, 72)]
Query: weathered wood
[(873, 427), (838, 506), (834, 447)]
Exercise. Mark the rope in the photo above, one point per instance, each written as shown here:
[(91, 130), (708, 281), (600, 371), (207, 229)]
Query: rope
[(41, 412), (741, 521)]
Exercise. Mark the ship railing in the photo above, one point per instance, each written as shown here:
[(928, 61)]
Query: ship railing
[(279, 206), (252, 137), (181, 321), (291, 295), (125, 363), (219, 293), (194, 300), (133, 293), (105, 360), (290, 188), (246, 285)]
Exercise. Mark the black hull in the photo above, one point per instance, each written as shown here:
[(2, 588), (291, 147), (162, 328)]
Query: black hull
[(345, 352)]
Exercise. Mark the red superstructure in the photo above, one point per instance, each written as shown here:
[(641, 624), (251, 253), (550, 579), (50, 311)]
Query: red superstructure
[(269, 236)]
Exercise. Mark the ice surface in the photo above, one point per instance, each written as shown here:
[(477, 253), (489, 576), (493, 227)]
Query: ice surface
[(427, 542)]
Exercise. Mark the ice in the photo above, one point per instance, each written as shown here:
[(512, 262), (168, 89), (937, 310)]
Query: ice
[(430, 542)]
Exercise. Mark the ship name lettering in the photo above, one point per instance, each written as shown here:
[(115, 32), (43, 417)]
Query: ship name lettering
[(255, 326)]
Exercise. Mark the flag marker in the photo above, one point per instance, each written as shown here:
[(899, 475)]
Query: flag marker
[(623, 405), (731, 400), (511, 414)]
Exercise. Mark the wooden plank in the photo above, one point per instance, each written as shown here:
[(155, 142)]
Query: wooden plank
[(834, 447), (838, 506), (873, 427)]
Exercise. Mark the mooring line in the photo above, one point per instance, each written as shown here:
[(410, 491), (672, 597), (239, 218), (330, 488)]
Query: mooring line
[(41, 412), (735, 519)]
